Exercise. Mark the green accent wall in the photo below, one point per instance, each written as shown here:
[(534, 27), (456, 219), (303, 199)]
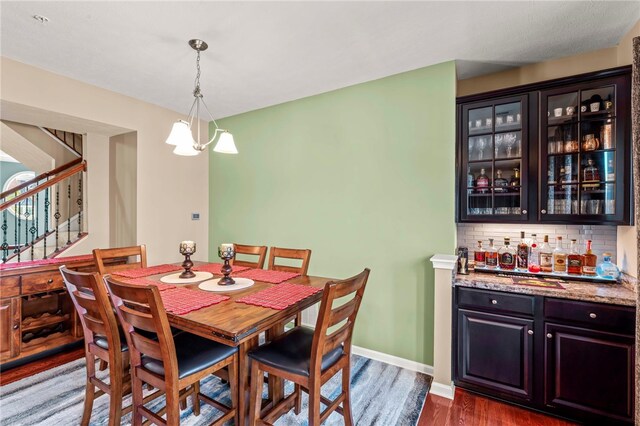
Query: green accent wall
[(363, 176)]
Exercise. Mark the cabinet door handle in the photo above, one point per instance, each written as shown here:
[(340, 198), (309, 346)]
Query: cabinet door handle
[(16, 326), (524, 212), (592, 315), (549, 336), (530, 332), (494, 302), (543, 211), (50, 280)]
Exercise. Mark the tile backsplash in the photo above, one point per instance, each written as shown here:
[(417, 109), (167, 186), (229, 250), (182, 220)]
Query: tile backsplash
[(604, 237)]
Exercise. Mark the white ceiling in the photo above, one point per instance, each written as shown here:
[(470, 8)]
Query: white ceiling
[(265, 53)]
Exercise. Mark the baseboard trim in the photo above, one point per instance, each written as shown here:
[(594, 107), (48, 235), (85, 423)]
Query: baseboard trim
[(393, 360), (445, 391)]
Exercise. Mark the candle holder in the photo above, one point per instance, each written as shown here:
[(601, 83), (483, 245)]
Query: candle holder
[(226, 253), (187, 248)]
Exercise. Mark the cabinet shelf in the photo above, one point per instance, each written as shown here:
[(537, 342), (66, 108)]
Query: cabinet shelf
[(31, 323)]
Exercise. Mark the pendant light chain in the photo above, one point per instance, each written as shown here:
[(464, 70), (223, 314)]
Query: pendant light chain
[(196, 91)]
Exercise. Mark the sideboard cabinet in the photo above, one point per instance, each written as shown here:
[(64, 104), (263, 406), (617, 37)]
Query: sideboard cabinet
[(552, 152)]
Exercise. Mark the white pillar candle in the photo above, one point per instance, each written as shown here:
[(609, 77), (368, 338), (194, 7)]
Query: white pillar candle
[(226, 247), (188, 247)]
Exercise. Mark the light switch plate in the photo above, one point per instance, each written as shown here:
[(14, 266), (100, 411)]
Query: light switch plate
[(195, 216)]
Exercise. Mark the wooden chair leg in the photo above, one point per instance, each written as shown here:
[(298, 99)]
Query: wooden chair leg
[(115, 398), (183, 404), (173, 410), (298, 392), (346, 389), (255, 399), (298, 321), (196, 398), (103, 365), (233, 386), (90, 390), (314, 404), (137, 399)]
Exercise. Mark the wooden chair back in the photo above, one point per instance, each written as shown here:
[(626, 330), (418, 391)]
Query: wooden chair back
[(285, 253), (90, 298), (329, 317), (136, 258), (260, 251), (141, 308)]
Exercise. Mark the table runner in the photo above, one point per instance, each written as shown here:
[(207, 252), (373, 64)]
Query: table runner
[(280, 297), (214, 268), (146, 281), (41, 262), (273, 277), (145, 272), (181, 301)]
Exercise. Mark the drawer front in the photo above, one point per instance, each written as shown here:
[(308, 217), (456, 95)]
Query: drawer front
[(496, 301), (619, 319), (36, 283), (10, 286)]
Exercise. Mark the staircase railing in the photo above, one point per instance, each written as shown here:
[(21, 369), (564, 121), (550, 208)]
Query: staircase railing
[(73, 141), (34, 212)]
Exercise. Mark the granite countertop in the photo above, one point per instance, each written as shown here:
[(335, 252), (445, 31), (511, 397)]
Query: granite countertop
[(617, 294)]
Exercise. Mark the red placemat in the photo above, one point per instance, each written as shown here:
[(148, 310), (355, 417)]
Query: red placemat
[(214, 268), (280, 297), (40, 262), (145, 272), (146, 281), (181, 301), (273, 277)]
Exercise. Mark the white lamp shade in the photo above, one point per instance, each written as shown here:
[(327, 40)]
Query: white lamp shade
[(186, 149), (180, 133), (225, 144)]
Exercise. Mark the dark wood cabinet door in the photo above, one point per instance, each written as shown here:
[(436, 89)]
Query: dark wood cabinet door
[(589, 374), (9, 328), (495, 352)]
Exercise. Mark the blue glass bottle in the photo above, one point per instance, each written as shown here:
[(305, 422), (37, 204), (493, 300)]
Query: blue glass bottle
[(606, 269)]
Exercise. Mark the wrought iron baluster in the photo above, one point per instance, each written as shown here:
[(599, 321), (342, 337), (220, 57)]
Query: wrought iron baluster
[(79, 201), (15, 228), (69, 212), (5, 244), (18, 233), (27, 214), (47, 203), (57, 214), (34, 223)]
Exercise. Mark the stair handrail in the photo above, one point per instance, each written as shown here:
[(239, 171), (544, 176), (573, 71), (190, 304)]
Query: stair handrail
[(40, 177), (61, 176)]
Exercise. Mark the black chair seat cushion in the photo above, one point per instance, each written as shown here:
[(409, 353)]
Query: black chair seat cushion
[(194, 353), (102, 341), (292, 352)]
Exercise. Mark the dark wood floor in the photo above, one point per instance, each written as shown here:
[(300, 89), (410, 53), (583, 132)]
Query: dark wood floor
[(471, 409), (466, 409)]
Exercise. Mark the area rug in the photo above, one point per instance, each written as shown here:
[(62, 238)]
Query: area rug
[(381, 394)]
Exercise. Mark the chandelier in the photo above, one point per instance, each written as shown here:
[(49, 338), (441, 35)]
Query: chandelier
[(182, 132)]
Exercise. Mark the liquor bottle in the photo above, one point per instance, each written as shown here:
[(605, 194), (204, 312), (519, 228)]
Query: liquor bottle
[(514, 183), (559, 258), (589, 261), (522, 258), (546, 256), (491, 256), (534, 255), (470, 179), (574, 259), (507, 255), (607, 269), (501, 184), (591, 176), (482, 182), (479, 255)]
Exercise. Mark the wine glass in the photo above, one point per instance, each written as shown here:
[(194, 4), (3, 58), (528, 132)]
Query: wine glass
[(482, 144), (499, 140), (510, 140), (472, 142)]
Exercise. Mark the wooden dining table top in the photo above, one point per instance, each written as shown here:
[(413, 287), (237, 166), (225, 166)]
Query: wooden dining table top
[(232, 323)]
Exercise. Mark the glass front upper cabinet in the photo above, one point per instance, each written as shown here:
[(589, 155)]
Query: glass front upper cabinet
[(494, 156), (582, 154)]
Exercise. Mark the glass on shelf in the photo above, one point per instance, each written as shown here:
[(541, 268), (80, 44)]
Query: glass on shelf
[(563, 139), (480, 148), (598, 134), (562, 107), (508, 145), (597, 102), (598, 201), (480, 120), (562, 199), (508, 117)]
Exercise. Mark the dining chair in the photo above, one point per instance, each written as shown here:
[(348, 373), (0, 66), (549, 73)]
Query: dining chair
[(136, 258), (102, 341), (170, 363), (260, 251), (296, 254), (311, 357)]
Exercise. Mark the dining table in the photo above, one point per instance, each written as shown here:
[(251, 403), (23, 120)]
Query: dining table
[(240, 325)]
